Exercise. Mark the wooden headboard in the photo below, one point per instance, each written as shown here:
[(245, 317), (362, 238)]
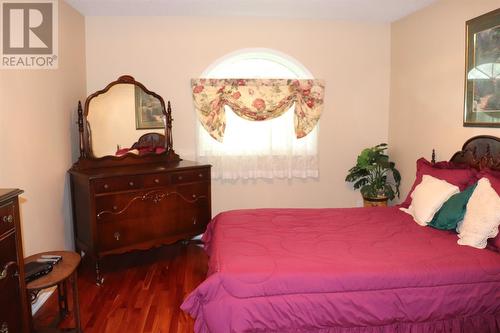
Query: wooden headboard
[(150, 140), (479, 152)]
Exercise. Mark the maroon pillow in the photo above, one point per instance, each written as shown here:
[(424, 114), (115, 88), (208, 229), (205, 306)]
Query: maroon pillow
[(494, 178), (459, 175)]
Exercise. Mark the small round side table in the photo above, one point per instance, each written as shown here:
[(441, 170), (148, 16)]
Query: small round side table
[(59, 276)]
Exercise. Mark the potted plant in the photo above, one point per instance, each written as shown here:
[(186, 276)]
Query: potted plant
[(375, 176)]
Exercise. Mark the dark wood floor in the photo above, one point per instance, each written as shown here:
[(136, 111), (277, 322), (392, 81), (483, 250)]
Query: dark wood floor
[(142, 292)]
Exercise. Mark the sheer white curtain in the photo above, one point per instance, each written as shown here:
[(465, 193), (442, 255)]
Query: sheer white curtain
[(258, 149)]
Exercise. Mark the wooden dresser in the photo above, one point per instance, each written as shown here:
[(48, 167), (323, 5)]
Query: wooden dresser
[(13, 302), (129, 194), (118, 209)]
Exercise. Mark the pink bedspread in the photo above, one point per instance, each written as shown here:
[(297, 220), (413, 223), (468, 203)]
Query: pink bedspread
[(342, 270)]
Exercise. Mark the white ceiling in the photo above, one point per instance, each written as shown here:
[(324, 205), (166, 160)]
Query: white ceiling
[(357, 10)]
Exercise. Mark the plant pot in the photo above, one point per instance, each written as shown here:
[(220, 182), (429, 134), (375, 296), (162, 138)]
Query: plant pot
[(375, 202)]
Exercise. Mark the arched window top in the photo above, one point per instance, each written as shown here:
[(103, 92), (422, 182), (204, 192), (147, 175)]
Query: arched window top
[(258, 149), (255, 64)]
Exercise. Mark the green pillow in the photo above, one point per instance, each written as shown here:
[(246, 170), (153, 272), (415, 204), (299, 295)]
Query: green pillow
[(452, 211)]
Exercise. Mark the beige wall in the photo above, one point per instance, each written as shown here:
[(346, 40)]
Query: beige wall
[(38, 139), (427, 83), (164, 53)]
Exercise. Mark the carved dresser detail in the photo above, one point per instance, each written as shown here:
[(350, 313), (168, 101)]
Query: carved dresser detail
[(143, 195)]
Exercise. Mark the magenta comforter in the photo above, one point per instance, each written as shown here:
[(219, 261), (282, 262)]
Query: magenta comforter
[(342, 270)]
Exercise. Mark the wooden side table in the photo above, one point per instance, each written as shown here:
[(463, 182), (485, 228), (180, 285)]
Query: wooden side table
[(59, 277)]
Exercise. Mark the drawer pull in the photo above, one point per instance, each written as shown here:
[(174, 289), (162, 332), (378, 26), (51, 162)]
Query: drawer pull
[(5, 271), (117, 235), (4, 328), (157, 181), (194, 220), (194, 196), (200, 175), (131, 183), (180, 177), (115, 207), (106, 186), (8, 219)]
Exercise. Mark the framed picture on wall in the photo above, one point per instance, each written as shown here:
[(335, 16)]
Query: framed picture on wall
[(148, 111), (482, 71)]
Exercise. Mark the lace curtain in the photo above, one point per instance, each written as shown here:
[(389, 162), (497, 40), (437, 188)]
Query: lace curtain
[(238, 146)]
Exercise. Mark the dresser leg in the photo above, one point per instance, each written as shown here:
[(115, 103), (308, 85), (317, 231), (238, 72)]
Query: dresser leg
[(99, 280)]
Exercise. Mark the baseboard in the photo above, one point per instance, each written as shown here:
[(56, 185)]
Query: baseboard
[(43, 296)]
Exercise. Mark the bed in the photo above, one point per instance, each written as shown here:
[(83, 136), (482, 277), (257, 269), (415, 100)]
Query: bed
[(347, 270)]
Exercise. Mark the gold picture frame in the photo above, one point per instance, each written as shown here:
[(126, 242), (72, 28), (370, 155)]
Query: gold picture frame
[(148, 111), (482, 71)]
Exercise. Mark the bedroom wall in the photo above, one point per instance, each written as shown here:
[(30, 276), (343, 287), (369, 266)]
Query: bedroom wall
[(164, 53), (427, 83), (38, 137)]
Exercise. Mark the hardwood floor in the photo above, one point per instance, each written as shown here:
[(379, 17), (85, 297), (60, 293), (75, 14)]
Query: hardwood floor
[(142, 292)]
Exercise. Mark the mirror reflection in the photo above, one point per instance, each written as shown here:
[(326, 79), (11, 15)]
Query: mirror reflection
[(122, 115)]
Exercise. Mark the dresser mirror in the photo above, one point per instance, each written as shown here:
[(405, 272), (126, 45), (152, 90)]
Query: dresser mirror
[(125, 123), (120, 116)]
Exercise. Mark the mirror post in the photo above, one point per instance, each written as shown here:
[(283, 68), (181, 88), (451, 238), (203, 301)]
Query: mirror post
[(80, 129), (168, 129)]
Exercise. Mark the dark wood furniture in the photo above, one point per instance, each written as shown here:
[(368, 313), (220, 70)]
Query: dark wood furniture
[(132, 201), (149, 140), (13, 302), (480, 152), (62, 272)]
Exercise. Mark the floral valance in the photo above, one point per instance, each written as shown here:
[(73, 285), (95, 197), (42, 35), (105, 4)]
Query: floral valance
[(257, 99)]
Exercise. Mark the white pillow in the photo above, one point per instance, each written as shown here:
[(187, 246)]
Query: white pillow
[(428, 197), (482, 217)]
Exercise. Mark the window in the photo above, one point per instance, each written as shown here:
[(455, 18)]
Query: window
[(258, 149)]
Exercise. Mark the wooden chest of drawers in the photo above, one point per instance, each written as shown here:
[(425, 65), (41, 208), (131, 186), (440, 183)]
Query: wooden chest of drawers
[(119, 209), (13, 302)]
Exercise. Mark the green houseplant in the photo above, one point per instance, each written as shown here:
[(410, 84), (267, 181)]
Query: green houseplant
[(375, 176)]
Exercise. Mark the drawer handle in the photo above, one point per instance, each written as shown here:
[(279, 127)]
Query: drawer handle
[(194, 220), (194, 196), (117, 235), (4, 328), (157, 181), (180, 177), (131, 183), (8, 219), (200, 175), (106, 186), (115, 207), (5, 271)]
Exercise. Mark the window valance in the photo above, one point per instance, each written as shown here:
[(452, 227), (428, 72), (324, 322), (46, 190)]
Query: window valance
[(257, 99)]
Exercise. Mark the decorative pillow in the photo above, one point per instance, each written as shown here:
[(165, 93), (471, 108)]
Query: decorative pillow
[(459, 175), (482, 217), (494, 178), (428, 197), (453, 210)]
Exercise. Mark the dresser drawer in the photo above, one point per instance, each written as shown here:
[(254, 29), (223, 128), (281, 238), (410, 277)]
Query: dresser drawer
[(154, 180), (7, 216), (193, 192), (8, 252), (11, 297), (114, 184), (190, 176), (125, 232)]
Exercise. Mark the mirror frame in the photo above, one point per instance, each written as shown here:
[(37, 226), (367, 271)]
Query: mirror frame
[(88, 160)]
